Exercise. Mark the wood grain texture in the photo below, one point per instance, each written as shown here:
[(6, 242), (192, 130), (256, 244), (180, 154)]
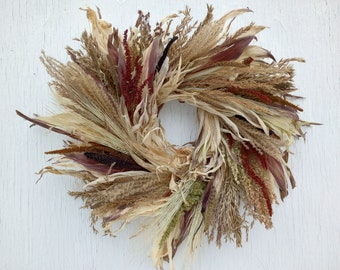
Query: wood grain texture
[(41, 227)]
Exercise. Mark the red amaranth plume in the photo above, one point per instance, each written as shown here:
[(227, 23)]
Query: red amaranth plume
[(130, 71), (245, 162)]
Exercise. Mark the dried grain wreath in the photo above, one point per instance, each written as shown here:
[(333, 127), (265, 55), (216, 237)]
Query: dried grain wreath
[(111, 94)]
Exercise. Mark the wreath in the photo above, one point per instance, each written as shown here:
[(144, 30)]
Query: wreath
[(111, 94)]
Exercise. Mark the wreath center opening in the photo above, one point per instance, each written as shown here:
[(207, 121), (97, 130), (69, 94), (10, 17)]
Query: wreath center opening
[(179, 121)]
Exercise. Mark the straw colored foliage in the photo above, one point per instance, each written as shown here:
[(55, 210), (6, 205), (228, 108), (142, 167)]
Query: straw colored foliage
[(111, 93)]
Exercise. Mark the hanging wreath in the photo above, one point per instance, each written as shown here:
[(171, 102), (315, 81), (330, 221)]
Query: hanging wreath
[(111, 94)]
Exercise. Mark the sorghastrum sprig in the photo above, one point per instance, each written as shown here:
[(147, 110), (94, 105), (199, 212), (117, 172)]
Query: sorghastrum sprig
[(111, 93)]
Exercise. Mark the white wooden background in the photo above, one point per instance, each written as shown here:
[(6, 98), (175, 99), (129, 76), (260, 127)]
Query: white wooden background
[(41, 227)]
